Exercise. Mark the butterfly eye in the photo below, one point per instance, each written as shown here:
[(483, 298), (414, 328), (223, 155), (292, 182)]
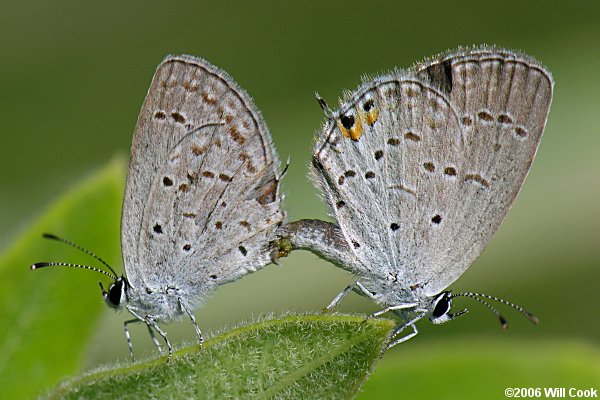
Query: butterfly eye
[(116, 293), (440, 307)]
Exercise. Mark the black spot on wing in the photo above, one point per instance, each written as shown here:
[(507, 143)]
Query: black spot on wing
[(440, 75)]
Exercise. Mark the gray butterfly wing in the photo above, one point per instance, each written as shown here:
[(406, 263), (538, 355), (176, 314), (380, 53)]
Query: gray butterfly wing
[(375, 182), (201, 202), (442, 151)]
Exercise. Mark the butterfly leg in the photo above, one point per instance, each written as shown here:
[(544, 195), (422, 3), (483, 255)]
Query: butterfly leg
[(404, 338), (338, 298), (154, 325), (393, 308), (196, 327), (400, 328), (154, 339), (150, 331), (151, 323), (344, 292), (128, 337), (363, 291)]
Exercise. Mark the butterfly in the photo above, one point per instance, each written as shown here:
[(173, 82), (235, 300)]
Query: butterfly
[(419, 168), (202, 202)]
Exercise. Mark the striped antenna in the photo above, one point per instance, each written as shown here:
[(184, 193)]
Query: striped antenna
[(477, 296), (323, 105), (62, 264), (78, 247)]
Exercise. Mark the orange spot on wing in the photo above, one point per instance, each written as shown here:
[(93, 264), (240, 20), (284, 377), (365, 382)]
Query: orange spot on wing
[(372, 116), (357, 130), (343, 130)]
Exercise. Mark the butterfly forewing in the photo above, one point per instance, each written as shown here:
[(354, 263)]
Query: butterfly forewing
[(503, 99), (201, 202)]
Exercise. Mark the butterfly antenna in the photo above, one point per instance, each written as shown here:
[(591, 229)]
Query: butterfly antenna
[(503, 321), (78, 247), (285, 169), (532, 318), (62, 264), (323, 105)]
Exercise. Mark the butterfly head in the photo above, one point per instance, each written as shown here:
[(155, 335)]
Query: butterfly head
[(116, 295), (440, 307)]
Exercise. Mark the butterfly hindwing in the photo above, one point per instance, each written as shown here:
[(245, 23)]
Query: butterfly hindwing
[(201, 203)]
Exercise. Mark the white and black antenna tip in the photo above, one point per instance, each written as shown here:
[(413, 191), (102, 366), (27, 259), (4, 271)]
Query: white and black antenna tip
[(323, 105), (534, 320), (503, 322), (39, 265)]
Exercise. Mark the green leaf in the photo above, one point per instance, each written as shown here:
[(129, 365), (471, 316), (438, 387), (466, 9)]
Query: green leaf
[(297, 357), (48, 315), (482, 368)]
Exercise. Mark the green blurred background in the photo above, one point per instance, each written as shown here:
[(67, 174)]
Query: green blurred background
[(73, 76)]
